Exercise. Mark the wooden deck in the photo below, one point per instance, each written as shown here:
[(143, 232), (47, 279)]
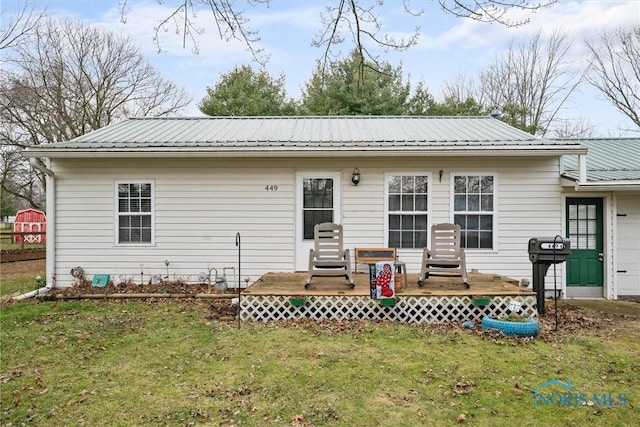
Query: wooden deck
[(292, 284), (281, 296)]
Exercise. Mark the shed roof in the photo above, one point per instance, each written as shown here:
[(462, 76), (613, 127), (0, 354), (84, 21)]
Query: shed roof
[(307, 136), (611, 164), (608, 159)]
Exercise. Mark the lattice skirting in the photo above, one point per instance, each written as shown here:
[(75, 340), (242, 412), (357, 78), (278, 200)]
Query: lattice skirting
[(418, 309)]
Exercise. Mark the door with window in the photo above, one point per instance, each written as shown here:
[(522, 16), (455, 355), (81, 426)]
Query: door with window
[(585, 264), (318, 200)]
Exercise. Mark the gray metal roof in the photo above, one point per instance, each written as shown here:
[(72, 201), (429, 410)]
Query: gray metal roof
[(608, 159), (304, 134)]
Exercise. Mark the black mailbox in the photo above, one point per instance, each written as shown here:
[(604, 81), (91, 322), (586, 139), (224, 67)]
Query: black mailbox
[(544, 251), (552, 250)]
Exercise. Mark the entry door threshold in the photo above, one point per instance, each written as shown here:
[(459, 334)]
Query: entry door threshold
[(585, 292)]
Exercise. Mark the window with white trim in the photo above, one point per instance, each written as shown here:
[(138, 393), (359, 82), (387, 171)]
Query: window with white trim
[(134, 212), (474, 209), (407, 206)]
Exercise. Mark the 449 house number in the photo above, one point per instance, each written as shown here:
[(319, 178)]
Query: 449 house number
[(270, 188)]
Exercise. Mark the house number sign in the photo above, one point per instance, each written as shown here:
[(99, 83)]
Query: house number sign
[(270, 188)]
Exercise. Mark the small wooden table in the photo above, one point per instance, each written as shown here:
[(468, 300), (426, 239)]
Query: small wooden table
[(402, 268), (373, 255)]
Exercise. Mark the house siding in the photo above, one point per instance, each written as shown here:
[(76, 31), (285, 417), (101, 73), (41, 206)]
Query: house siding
[(200, 205), (627, 266)]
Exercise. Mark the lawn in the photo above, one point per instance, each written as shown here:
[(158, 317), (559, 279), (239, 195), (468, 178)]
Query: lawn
[(149, 363)]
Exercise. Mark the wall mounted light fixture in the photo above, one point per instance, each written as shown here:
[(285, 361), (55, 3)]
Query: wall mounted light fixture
[(440, 175), (355, 176)]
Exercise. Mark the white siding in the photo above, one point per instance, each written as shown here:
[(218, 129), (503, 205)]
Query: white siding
[(628, 245), (200, 205)]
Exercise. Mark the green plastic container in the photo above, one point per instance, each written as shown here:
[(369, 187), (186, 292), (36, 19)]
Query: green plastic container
[(297, 302), (481, 301)]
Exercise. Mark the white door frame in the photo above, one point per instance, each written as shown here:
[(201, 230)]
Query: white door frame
[(302, 246)]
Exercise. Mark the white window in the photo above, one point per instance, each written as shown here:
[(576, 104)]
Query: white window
[(317, 203), (407, 210), (474, 209), (134, 214), (583, 226)]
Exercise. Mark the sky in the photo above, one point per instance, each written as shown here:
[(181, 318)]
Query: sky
[(448, 47)]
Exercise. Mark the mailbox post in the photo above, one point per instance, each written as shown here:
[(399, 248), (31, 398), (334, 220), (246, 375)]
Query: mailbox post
[(544, 251)]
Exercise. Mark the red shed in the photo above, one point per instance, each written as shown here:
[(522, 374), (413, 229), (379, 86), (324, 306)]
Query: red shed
[(30, 220)]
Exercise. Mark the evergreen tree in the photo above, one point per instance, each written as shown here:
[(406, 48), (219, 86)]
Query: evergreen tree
[(244, 92), (352, 87)]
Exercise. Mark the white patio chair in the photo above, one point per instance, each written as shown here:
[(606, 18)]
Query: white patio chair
[(445, 256), (329, 258)]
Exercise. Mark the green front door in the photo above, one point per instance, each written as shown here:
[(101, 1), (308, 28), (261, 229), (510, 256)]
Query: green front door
[(584, 228)]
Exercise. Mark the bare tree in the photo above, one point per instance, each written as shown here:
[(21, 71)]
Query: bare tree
[(492, 10), (73, 78), (531, 82), (20, 27), (355, 21), (615, 69), (20, 185), (70, 79), (462, 88), (573, 128), (362, 24)]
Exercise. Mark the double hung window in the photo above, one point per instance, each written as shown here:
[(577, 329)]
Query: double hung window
[(408, 210), (474, 209), (134, 212)]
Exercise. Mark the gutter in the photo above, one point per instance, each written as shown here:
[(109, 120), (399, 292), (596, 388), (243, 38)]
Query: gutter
[(605, 186), (620, 185), (334, 151), (50, 179), (38, 164)]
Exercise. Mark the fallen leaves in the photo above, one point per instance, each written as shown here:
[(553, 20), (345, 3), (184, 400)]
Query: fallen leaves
[(464, 387)]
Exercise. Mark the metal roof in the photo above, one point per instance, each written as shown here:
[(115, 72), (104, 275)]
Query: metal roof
[(305, 135), (608, 159)]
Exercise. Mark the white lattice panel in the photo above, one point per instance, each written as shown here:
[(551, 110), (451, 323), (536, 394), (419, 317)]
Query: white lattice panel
[(419, 309)]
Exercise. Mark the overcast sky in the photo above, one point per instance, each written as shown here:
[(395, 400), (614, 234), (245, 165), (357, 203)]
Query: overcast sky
[(448, 46)]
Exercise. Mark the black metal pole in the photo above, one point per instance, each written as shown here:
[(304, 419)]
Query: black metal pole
[(239, 275), (555, 281), (539, 271)]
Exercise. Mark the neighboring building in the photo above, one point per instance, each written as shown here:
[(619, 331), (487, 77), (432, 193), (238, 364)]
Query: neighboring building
[(30, 221), (603, 218), (123, 199)]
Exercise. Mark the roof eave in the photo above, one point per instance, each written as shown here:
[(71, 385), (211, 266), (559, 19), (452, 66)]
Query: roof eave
[(510, 151), (628, 185)]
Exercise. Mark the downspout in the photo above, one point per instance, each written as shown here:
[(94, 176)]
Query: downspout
[(582, 169), (50, 180)]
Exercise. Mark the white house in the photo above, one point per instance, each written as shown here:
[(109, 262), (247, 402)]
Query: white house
[(123, 199), (602, 197)]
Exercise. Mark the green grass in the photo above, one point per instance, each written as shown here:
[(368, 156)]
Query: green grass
[(20, 284), (104, 363)]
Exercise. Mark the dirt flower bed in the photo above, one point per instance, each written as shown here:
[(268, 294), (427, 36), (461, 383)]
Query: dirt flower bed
[(27, 254), (86, 288), (219, 309)]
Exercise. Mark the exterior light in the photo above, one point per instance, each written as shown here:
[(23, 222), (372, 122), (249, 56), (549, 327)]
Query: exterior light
[(355, 176)]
